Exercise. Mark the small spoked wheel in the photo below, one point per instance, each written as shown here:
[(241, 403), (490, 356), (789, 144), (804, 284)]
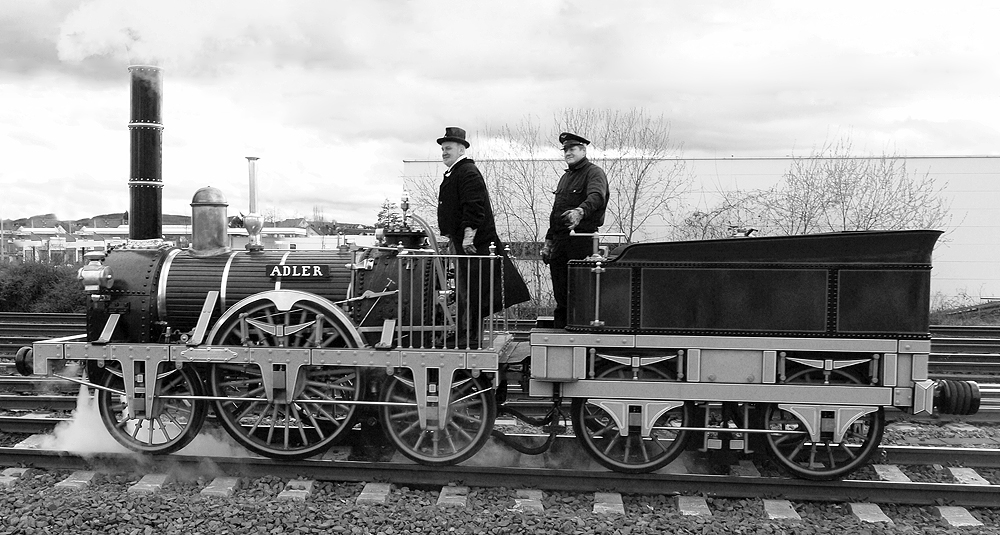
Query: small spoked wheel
[(298, 422), (825, 458), (600, 435), (170, 425), (463, 432)]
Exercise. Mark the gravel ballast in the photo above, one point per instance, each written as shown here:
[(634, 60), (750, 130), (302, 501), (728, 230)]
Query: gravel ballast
[(34, 506)]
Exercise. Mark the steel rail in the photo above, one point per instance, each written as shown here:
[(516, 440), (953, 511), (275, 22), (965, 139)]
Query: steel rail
[(565, 480), (926, 455), (39, 402), (29, 424)]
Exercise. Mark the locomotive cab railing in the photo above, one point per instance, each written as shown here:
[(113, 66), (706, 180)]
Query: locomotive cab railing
[(464, 314), (599, 251)]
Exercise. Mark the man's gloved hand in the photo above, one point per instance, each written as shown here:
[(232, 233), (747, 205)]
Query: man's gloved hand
[(467, 241), (546, 251), (573, 217)]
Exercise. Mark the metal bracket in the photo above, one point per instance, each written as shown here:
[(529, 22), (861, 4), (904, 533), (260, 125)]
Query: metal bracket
[(203, 318), (388, 326), (109, 330)]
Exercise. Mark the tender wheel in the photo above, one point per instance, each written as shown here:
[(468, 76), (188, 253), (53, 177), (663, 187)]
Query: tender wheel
[(172, 423), (823, 459), (465, 430), (599, 433), (296, 424)]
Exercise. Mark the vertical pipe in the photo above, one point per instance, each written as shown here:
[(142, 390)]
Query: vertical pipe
[(252, 163), (253, 222), (146, 141)]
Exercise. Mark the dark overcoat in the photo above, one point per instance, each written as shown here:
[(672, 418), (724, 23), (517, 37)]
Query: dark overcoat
[(464, 202)]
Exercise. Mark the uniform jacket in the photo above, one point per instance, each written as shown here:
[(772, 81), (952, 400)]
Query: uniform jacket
[(583, 185)]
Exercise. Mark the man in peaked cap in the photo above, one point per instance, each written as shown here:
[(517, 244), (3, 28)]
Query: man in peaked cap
[(581, 199), (465, 215)]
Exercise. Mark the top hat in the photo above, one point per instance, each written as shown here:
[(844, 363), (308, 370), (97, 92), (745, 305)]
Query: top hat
[(568, 140), (454, 133)]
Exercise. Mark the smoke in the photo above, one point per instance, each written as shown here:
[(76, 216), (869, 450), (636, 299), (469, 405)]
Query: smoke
[(85, 434), (188, 35)]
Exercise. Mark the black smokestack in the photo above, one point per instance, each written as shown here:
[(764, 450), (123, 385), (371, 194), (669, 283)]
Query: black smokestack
[(145, 172)]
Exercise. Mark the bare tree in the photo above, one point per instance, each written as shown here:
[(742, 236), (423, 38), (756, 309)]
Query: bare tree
[(518, 178), (272, 215), (734, 215), (645, 173), (833, 190), (521, 174)]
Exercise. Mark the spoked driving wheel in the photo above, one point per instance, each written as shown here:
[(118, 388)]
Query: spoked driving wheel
[(598, 425), (453, 439), (171, 423), (827, 457), (300, 421)]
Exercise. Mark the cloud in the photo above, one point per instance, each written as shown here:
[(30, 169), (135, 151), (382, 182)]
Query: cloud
[(333, 96)]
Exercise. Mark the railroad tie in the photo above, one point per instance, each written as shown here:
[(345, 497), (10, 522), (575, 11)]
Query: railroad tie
[(608, 503), (967, 476), (693, 506), (869, 513), (781, 510), (77, 480), (10, 476), (297, 489), (529, 501), (958, 517), (453, 496), (150, 484), (223, 487), (374, 494)]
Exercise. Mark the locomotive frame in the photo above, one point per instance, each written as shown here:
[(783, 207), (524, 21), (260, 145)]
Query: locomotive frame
[(287, 370)]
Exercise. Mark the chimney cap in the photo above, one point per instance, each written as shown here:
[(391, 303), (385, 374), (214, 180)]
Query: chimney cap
[(209, 196)]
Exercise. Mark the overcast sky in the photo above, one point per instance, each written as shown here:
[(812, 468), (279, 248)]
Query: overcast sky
[(333, 96)]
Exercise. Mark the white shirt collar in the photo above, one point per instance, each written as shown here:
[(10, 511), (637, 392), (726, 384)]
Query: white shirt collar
[(448, 172)]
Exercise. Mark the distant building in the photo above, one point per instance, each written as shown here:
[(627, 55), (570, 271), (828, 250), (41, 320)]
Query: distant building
[(46, 239)]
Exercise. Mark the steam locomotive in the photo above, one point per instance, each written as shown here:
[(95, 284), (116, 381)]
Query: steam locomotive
[(796, 345)]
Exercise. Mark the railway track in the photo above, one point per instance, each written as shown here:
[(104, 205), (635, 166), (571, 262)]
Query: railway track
[(692, 474), (18, 329)]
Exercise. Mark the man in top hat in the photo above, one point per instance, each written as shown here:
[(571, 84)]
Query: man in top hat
[(465, 216), (581, 199)]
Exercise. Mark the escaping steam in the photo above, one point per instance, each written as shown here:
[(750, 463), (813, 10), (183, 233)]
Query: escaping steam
[(84, 434)]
